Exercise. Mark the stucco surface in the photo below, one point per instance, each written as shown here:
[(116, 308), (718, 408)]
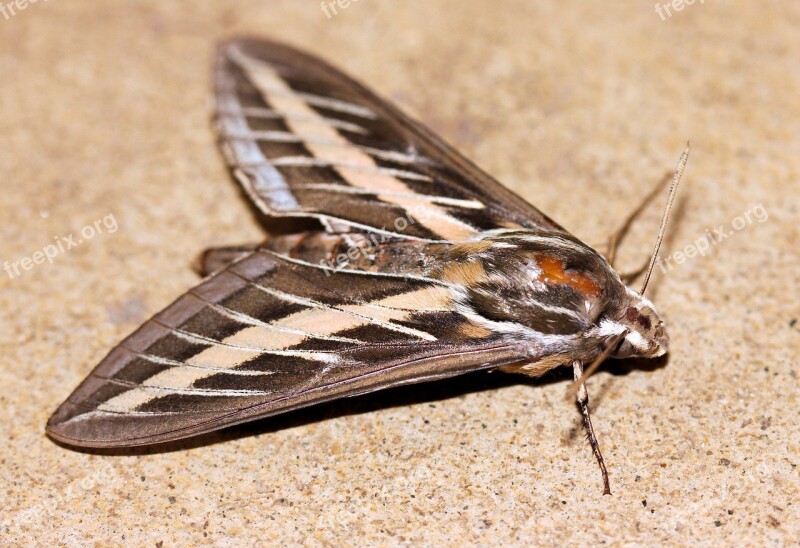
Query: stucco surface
[(579, 107)]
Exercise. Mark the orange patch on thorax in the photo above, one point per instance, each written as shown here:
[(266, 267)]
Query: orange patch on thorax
[(553, 273)]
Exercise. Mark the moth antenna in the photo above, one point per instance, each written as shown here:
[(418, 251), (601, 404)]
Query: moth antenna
[(573, 390), (676, 178)]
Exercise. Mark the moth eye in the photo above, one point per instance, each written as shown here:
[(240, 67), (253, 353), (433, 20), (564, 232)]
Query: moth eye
[(633, 316), (623, 350)]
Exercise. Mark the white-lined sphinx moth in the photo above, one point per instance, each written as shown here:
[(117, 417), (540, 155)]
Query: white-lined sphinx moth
[(476, 278)]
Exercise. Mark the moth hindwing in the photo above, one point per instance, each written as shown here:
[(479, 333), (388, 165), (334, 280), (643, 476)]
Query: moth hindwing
[(421, 267)]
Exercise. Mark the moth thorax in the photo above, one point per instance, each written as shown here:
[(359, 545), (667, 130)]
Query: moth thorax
[(548, 285)]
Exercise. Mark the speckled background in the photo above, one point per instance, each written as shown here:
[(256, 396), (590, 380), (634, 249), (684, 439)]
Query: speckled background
[(578, 106)]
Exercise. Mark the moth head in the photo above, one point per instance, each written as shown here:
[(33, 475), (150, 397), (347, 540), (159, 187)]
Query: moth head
[(646, 334)]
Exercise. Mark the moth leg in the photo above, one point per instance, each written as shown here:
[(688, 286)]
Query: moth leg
[(618, 235), (215, 258), (628, 277), (583, 403)]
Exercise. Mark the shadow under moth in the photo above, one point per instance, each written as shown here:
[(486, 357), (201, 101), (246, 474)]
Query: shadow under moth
[(420, 267)]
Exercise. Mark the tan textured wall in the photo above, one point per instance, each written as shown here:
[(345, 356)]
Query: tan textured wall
[(578, 106)]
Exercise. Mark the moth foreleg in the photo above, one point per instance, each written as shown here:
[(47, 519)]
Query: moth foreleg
[(628, 277), (583, 403), (216, 258), (618, 235)]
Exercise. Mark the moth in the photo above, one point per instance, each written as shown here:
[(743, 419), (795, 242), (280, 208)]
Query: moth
[(414, 265)]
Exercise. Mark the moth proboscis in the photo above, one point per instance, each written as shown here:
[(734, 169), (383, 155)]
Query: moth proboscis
[(421, 267)]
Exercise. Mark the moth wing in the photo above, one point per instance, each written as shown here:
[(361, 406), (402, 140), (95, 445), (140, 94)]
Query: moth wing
[(266, 335), (306, 140)]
